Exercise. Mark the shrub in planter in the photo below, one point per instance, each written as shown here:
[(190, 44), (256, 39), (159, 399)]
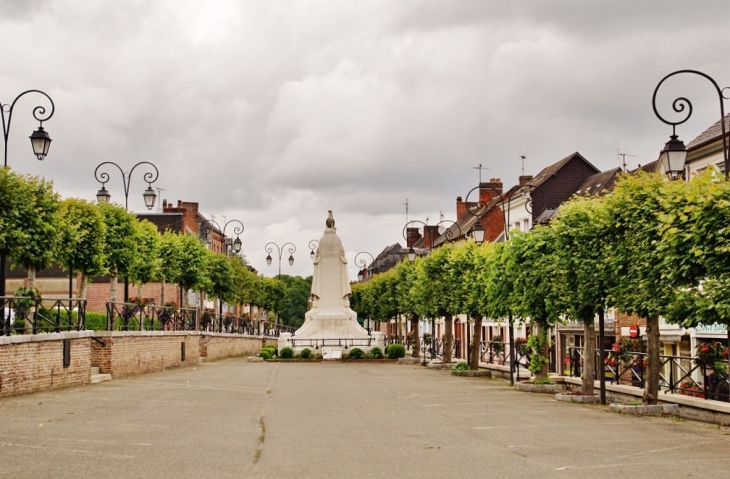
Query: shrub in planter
[(265, 353), (460, 367), (286, 353), (306, 353), (376, 353), (356, 353), (272, 349), (396, 351)]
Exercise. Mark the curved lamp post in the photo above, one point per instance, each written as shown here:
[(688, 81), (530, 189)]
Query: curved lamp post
[(39, 139), (235, 246), (674, 154), (313, 245), (103, 195), (480, 209), (280, 250), (363, 264)]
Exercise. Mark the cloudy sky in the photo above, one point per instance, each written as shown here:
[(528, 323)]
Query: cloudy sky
[(274, 111)]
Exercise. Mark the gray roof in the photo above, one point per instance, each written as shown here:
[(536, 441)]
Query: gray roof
[(711, 134)]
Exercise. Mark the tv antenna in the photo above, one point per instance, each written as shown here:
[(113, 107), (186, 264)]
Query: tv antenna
[(406, 203), (480, 168), (622, 157)]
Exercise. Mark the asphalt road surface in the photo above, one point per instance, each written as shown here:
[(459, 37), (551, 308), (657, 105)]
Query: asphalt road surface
[(233, 419)]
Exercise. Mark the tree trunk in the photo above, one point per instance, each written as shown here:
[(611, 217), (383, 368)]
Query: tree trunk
[(651, 386), (162, 292), (113, 280), (31, 276), (416, 340), (542, 332), (589, 358), (139, 291), (83, 285), (448, 337), (476, 349)]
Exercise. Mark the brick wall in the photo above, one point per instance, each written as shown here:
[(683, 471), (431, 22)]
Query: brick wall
[(225, 346), (131, 353), (97, 294), (35, 363)]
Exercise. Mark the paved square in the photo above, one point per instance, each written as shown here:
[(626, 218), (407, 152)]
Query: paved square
[(233, 419)]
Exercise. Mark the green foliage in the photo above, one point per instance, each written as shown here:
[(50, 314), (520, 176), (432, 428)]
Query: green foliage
[(266, 354), (376, 353), (296, 297), (306, 353), (536, 345), (460, 367), (120, 239), (95, 321), (221, 276), (286, 353), (395, 351), (147, 261), (193, 266), (82, 233), (356, 353), (36, 219), (542, 381), (273, 349)]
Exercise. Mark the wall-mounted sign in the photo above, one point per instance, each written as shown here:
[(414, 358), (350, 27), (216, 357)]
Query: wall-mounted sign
[(634, 331)]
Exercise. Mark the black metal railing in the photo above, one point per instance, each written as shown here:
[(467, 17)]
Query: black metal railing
[(433, 348), (136, 317), (22, 315), (677, 374)]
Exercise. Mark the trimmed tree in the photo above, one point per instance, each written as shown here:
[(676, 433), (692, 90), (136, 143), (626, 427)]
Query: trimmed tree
[(584, 275), (81, 245), (36, 235), (120, 244)]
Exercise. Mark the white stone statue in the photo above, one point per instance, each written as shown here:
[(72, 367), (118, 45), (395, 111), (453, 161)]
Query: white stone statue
[(330, 317)]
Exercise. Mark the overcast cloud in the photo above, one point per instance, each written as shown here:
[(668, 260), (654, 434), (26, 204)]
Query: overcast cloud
[(273, 111)]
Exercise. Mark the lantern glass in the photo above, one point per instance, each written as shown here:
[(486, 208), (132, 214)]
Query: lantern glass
[(103, 195), (268, 260), (149, 197), (673, 157), (41, 142), (291, 260), (478, 233)]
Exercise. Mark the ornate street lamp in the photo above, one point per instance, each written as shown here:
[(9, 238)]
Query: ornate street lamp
[(40, 141), (674, 154), (313, 245), (103, 195), (280, 250), (448, 233), (363, 272), (231, 246)]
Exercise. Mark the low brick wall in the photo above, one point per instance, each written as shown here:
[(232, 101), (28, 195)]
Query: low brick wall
[(128, 353), (218, 346), (35, 362), (32, 363)]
